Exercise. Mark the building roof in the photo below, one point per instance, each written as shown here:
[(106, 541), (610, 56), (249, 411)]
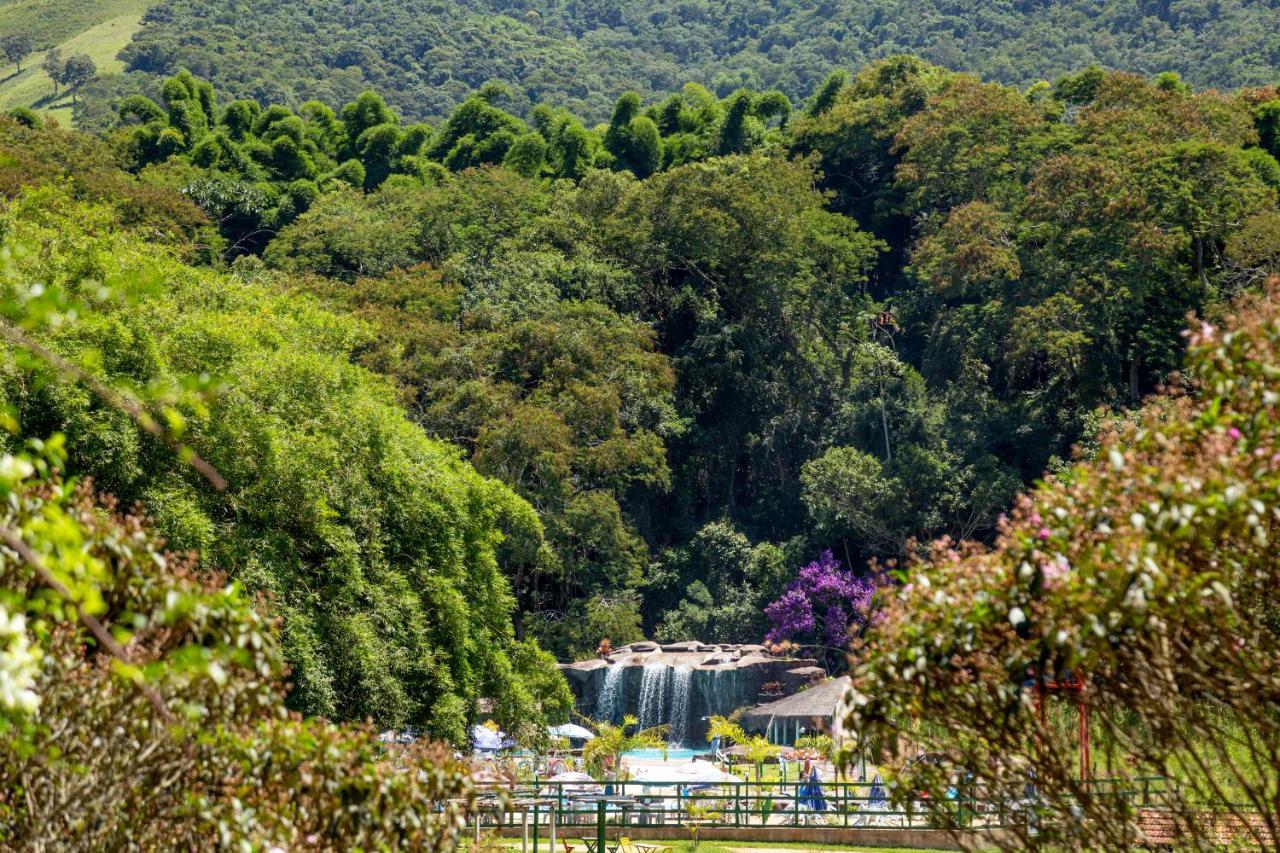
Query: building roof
[(818, 701)]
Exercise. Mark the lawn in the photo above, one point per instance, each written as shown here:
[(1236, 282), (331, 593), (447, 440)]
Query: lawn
[(102, 35)]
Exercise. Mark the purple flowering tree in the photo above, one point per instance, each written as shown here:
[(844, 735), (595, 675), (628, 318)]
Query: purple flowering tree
[(821, 605)]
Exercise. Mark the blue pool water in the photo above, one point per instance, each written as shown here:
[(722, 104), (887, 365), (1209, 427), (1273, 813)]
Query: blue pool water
[(673, 753)]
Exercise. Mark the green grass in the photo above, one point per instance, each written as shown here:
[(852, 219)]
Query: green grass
[(104, 29), (52, 22)]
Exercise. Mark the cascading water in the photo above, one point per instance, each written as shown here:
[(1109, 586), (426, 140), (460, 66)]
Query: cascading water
[(653, 695), (609, 704), (683, 684), (724, 690), (681, 687)]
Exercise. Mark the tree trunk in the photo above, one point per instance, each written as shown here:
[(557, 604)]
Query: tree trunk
[(1135, 393), (1204, 278), (884, 424)]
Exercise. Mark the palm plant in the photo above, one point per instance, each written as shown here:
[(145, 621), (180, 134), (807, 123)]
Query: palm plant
[(756, 748), (604, 751)]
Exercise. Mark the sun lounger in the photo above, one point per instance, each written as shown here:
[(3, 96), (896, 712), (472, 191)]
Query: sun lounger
[(626, 845)]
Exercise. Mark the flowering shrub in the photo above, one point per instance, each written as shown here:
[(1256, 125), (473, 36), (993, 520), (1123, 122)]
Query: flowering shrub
[(1149, 572), (820, 604), (171, 733)]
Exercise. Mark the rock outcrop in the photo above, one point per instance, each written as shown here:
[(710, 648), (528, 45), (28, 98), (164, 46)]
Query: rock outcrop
[(683, 684)]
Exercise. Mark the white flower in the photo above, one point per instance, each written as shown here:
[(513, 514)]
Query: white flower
[(18, 664), (14, 469), (1017, 617), (217, 673), (1136, 599)]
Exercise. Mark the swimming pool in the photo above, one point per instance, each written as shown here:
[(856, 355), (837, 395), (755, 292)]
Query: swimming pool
[(673, 753)]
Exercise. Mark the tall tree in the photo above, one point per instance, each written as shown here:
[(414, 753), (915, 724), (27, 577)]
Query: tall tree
[(16, 47), (78, 70), (55, 66)]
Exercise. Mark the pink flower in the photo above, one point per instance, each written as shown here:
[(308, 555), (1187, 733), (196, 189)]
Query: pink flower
[(1035, 518), (1234, 433), (1206, 332), (1044, 533), (1055, 569)]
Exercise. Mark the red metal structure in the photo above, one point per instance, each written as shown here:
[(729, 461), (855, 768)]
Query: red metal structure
[(1070, 684)]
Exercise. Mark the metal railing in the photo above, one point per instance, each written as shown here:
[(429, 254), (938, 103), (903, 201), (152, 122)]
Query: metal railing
[(585, 809)]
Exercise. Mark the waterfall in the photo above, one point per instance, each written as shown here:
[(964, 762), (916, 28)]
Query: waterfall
[(653, 695), (723, 696), (609, 704), (681, 687)]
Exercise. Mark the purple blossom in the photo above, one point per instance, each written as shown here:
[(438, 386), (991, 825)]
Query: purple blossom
[(820, 604), (791, 614)]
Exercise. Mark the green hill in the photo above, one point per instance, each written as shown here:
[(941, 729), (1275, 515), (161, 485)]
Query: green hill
[(582, 54), (98, 30)]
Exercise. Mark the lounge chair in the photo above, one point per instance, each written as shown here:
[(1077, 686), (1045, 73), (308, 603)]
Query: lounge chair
[(626, 845)]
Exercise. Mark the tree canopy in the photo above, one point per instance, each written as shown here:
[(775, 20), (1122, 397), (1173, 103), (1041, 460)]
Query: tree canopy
[(716, 336), (376, 545), (581, 56)]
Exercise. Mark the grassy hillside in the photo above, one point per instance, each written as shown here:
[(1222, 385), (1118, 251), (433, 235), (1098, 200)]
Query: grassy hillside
[(52, 22), (99, 29)]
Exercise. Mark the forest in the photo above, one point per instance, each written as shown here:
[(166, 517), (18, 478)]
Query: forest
[(697, 347), (581, 55), (352, 397)]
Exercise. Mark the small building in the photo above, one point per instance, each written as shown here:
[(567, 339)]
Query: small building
[(807, 712)]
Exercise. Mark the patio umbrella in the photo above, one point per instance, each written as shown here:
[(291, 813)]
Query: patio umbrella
[(571, 731), (485, 739), (696, 774), (577, 784), (877, 794), (810, 794)]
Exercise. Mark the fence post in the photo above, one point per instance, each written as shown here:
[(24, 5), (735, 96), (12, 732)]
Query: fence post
[(600, 804)]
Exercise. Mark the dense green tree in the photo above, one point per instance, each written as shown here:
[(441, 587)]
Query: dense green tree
[(857, 326), (744, 576), (526, 155), (568, 404), (377, 545), (633, 139), (16, 47), (55, 65), (582, 55), (1267, 118), (76, 71)]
